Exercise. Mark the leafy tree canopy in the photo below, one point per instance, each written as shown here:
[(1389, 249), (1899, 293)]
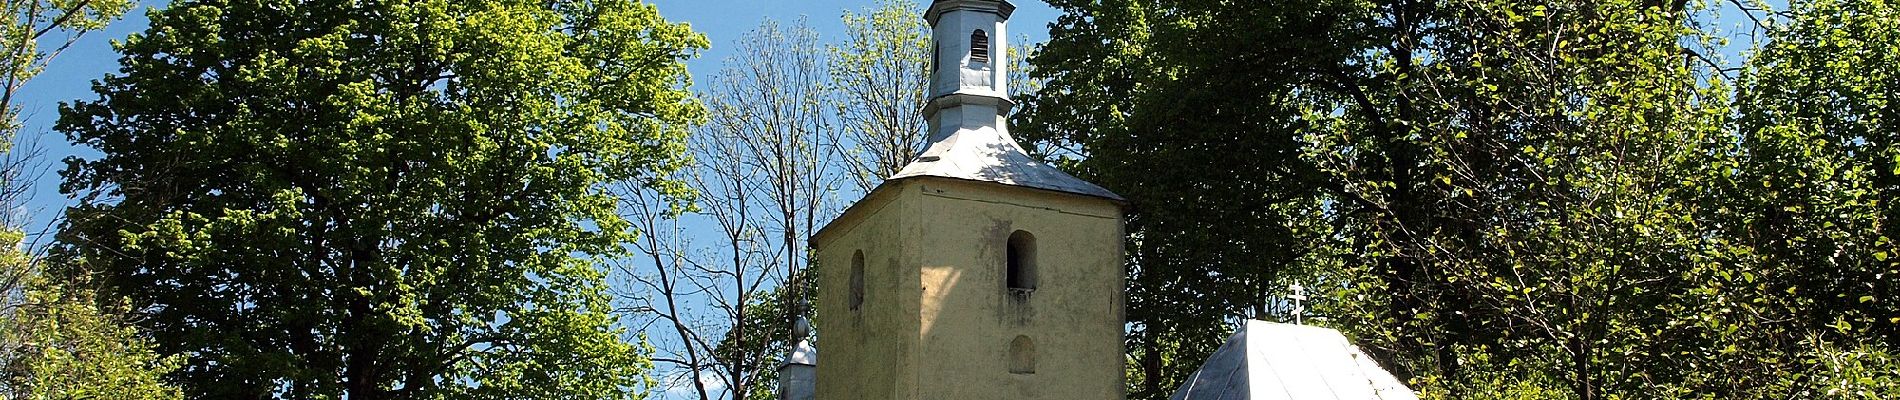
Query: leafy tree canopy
[(326, 199), (1499, 199), (59, 341)]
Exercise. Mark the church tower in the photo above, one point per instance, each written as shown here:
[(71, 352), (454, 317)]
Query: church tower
[(976, 272)]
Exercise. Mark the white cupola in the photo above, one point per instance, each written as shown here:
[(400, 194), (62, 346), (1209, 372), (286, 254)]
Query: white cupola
[(968, 76), (969, 104), (971, 47)]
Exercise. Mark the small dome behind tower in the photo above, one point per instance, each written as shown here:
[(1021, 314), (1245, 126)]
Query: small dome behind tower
[(1271, 361)]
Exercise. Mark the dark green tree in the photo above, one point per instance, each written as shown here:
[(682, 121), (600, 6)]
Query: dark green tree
[(1497, 197), (1187, 109), (1809, 199), (1820, 144), (330, 199)]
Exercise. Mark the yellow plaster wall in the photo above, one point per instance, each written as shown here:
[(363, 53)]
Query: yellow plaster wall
[(937, 321), (869, 336)]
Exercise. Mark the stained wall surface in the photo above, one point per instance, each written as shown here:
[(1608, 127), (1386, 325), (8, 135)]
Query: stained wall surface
[(871, 349), (938, 321)]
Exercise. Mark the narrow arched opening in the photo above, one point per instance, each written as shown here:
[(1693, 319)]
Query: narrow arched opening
[(936, 56), (857, 281), (1022, 355), (979, 47), (1019, 270)]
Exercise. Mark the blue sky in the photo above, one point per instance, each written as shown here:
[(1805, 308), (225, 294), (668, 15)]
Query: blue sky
[(722, 21)]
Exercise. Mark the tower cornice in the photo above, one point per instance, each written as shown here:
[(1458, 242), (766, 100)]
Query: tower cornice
[(937, 8), (958, 98)]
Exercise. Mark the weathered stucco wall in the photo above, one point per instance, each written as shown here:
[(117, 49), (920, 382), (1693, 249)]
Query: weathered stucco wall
[(871, 335), (938, 322)]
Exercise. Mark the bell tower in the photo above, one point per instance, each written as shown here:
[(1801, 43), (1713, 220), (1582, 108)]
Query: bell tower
[(976, 271)]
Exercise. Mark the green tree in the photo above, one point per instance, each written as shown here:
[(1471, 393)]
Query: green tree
[(35, 32), (1497, 197), (1809, 200), (371, 200), (879, 74), (1202, 91), (1529, 197), (1820, 161), (57, 339)]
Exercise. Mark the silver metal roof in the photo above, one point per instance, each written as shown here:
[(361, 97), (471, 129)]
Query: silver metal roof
[(802, 354), (987, 154), (1272, 361), (798, 377)]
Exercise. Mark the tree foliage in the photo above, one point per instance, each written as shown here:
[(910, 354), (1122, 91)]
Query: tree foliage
[(35, 32), (1808, 204), (59, 341), (1202, 91), (766, 172), (879, 73), (333, 199), (1500, 199)]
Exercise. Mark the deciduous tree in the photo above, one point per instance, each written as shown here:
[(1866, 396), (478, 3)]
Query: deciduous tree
[(766, 173), (57, 339), (375, 200), (1497, 198), (879, 72), (60, 341)]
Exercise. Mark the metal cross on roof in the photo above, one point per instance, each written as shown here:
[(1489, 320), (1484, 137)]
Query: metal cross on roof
[(1299, 305)]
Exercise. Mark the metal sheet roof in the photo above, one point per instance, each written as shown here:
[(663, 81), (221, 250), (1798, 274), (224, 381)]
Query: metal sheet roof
[(1272, 361), (987, 154)]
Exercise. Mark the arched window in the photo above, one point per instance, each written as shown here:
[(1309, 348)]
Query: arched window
[(857, 281), (979, 47), (1022, 355), (1020, 268)]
